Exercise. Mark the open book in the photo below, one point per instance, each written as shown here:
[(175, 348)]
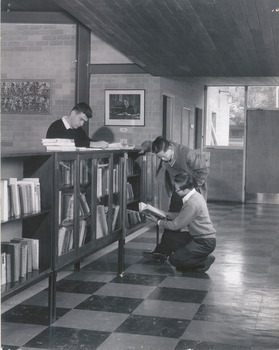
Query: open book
[(148, 209)]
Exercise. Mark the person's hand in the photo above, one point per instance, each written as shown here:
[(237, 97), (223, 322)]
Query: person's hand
[(151, 217)]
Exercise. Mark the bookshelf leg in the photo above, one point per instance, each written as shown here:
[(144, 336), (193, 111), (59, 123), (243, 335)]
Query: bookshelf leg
[(77, 266), (157, 235), (121, 243), (52, 297)]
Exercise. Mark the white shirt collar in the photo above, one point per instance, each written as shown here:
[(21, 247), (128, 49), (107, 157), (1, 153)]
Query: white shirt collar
[(188, 195), (67, 125)]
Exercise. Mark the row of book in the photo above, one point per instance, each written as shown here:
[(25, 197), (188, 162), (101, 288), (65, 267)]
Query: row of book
[(102, 220), (66, 173), (19, 257), (133, 218), (66, 207), (132, 166), (19, 197)]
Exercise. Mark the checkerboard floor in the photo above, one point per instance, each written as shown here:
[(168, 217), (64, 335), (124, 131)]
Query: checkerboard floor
[(233, 306)]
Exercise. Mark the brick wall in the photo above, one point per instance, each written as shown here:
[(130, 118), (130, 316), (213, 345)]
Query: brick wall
[(32, 51)]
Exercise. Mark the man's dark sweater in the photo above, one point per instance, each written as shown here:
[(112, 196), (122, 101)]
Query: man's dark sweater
[(58, 130)]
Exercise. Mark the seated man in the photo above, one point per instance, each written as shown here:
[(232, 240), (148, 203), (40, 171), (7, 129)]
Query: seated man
[(70, 127), (189, 236)]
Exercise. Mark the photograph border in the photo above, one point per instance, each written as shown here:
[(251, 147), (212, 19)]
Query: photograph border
[(123, 121)]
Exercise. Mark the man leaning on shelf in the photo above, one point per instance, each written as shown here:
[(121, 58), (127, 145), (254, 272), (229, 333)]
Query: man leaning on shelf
[(70, 127)]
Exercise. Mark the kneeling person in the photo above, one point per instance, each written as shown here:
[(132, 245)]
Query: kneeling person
[(193, 218)]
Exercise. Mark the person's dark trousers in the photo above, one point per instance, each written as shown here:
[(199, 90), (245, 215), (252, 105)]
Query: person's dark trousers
[(171, 241), (193, 254)]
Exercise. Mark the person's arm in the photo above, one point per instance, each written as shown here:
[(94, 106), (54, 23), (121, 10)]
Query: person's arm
[(187, 214), (98, 144), (82, 140)]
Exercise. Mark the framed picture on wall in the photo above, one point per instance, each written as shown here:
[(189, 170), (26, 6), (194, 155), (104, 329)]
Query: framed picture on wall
[(26, 96), (124, 107)]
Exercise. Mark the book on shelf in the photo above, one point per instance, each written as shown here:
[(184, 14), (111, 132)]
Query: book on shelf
[(83, 172), (66, 173), (35, 194), (14, 197), (13, 249), (82, 232), (149, 209), (130, 191), (133, 218), (65, 239), (115, 217), (5, 200), (3, 269), (84, 204), (101, 223), (23, 256), (102, 180)]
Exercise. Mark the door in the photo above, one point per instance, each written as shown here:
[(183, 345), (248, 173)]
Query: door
[(185, 127), (198, 128), (262, 154)]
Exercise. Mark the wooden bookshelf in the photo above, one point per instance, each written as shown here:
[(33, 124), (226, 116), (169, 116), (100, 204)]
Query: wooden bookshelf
[(84, 208)]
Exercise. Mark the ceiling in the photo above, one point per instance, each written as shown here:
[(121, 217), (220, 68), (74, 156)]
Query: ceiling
[(181, 38)]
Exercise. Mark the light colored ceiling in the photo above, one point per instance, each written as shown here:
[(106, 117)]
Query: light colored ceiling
[(185, 38)]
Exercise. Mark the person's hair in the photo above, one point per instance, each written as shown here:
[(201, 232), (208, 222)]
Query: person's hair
[(184, 181), (83, 107), (160, 144)]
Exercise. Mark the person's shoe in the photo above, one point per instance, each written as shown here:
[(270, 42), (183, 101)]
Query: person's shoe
[(155, 255), (210, 261)]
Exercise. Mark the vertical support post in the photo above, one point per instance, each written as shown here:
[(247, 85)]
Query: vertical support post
[(52, 296), (123, 213)]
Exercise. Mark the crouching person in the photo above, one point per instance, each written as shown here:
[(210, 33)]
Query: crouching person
[(192, 253)]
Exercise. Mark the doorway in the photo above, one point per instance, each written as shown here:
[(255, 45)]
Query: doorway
[(167, 117), (262, 157)]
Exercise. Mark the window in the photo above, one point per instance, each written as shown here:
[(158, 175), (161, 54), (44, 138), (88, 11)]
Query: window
[(264, 97), (225, 116)]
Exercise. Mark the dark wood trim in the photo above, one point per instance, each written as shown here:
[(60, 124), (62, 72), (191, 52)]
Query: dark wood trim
[(37, 17), (83, 47), (129, 68)]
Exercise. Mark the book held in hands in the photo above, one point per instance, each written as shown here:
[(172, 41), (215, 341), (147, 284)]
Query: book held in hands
[(148, 209)]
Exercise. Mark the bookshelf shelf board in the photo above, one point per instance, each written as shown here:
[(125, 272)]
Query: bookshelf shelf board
[(26, 216), (10, 289)]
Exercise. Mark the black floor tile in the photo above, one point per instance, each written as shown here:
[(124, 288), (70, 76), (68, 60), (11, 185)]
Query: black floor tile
[(110, 304), (178, 294), (31, 314), (59, 338), (155, 326), (83, 287), (9, 347), (104, 266), (146, 280)]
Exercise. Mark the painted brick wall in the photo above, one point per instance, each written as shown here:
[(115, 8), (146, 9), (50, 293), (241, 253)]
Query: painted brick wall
[(32, 51), (225, 180)]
